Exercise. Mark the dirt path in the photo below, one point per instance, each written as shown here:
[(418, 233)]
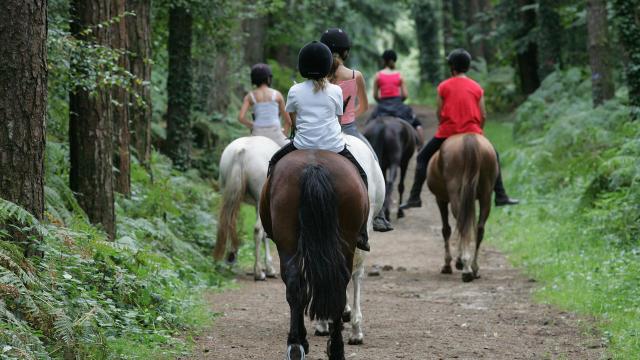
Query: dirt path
[(412, 311)]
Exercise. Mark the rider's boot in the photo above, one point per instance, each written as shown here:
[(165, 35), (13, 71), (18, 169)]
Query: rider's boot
[(380, 223), (502, 198), (414, 196)]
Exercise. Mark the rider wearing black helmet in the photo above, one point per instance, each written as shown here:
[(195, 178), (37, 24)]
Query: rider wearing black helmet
[(268, 107), (460, 110), (354, 96), (315, 107), (390, 91)]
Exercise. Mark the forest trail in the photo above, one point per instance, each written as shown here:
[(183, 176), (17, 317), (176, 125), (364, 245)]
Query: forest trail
[(413, 311)]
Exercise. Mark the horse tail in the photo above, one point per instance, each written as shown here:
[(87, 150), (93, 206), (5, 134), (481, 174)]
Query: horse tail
[(468, 191), (319, 256), (235, 184)]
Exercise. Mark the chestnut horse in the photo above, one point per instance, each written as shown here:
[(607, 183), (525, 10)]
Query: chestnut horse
[(463, 171), (394, 142), (313, 206)]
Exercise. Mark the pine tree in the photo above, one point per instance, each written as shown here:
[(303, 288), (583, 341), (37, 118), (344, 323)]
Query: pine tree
[(603, 87)]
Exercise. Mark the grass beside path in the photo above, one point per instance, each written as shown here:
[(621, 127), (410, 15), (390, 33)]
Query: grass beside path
[(566, 247)]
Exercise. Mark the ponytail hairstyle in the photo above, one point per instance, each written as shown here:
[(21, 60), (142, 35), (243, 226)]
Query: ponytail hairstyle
[(339, 58), (319, 84)]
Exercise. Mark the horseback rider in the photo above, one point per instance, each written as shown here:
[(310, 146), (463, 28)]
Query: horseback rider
[(353, 94), (390, 91), (268, 106), (460, 110), (315, 107)]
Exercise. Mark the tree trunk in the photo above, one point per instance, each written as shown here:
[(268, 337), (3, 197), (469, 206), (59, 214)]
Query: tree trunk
[(474, 27), (23, 103), (119, 104), (602, 84), (488, 27), (178, 146), (139, 36), (426, 23), (527, 57), (628, 16), (256, 32), (549, 37), (458, 11), (447, 26), (91, 124)]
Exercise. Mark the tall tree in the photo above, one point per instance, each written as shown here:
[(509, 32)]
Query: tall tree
[(603, 87), (178, 145), (487, 27), (527, 49), (119, 103), (23, 102), (628, 21), (549, 37), (426, 22), (139, 36), (474, 28), (90, 123), (255, 29)]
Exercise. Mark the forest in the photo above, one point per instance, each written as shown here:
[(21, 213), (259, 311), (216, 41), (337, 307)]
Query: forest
[(114, 115)]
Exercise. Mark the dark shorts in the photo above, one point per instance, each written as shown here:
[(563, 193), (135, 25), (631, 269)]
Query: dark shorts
[(394, 106)]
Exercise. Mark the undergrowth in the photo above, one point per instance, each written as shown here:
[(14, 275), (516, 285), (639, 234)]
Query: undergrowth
[(578, 229), (89, 298)]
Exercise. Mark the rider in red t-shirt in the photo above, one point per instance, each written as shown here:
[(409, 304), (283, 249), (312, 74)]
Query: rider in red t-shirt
[(460, 110)]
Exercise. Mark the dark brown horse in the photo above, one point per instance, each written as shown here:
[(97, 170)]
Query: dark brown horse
[(313, 207), (394, 142), (463, 171)]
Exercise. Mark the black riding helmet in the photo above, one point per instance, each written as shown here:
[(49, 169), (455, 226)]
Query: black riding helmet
[(314, 60), (389, 55), (336, 39), (261, 74), (459, 60)]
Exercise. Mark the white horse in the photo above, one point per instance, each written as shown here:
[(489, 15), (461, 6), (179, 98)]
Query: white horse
[(366, 159), (243, 171)]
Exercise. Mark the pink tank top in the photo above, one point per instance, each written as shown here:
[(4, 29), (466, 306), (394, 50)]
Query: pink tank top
[(389, 84), (349, 89)]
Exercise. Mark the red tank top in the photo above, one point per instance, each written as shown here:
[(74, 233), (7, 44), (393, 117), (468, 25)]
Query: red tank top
[(460, 111), (389, 84)]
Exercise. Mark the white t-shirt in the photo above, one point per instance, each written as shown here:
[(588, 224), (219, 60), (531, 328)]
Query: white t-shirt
[(317, 125)]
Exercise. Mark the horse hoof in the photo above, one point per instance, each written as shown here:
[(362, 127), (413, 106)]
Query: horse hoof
[(400, 214), (355, 341), (459, 265), (346, 317), (321, 333), (295, 352), (272, 275), (259, 277), (467, 277), (446, 270)]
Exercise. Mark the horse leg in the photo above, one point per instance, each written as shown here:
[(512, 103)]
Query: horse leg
[(485, 210), (261, 238), (393, 172), (357, 337), (271, 270), (454, 201), (446, 234), (403, 172), (335, 345), (297, 345), (258, 233)]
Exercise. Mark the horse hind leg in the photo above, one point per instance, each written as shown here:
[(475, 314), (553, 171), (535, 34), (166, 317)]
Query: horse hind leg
[(335, 344), (485, 210), (258, 234), (393, 173), (297, 344), (446, 234), (403, 173), (356, 337), (261, 238)]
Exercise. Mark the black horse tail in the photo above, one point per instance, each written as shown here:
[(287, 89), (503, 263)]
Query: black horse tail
[(319, 256), (468, 191)]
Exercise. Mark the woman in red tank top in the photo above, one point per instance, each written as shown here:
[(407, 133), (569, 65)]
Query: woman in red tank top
[(390, 92), (460, 110)]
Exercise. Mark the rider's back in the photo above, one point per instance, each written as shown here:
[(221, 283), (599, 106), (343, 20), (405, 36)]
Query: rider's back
[(460, 111)]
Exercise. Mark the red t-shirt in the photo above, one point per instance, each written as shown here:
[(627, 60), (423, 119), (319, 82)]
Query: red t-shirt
[(460, 111), (389, 84)]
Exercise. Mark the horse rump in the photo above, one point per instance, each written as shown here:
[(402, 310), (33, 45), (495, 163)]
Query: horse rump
[(319, 255)]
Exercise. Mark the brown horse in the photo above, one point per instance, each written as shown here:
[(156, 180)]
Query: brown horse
[(394, 142), (313, 207), (465, 169)]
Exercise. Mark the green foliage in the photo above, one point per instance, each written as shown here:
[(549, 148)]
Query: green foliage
[(627, 14), (578, 231), (94, 299), (500, 92)]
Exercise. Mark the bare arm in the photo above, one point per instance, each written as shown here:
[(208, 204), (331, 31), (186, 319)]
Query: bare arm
[(403, 89), (375, 89), (243, 112), (363, 102), (483, 110), (285, 115)]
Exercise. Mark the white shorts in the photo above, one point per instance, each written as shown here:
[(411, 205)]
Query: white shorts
[(272, 132)]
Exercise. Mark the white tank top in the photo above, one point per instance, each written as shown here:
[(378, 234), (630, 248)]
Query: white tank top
[(267, 113)]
